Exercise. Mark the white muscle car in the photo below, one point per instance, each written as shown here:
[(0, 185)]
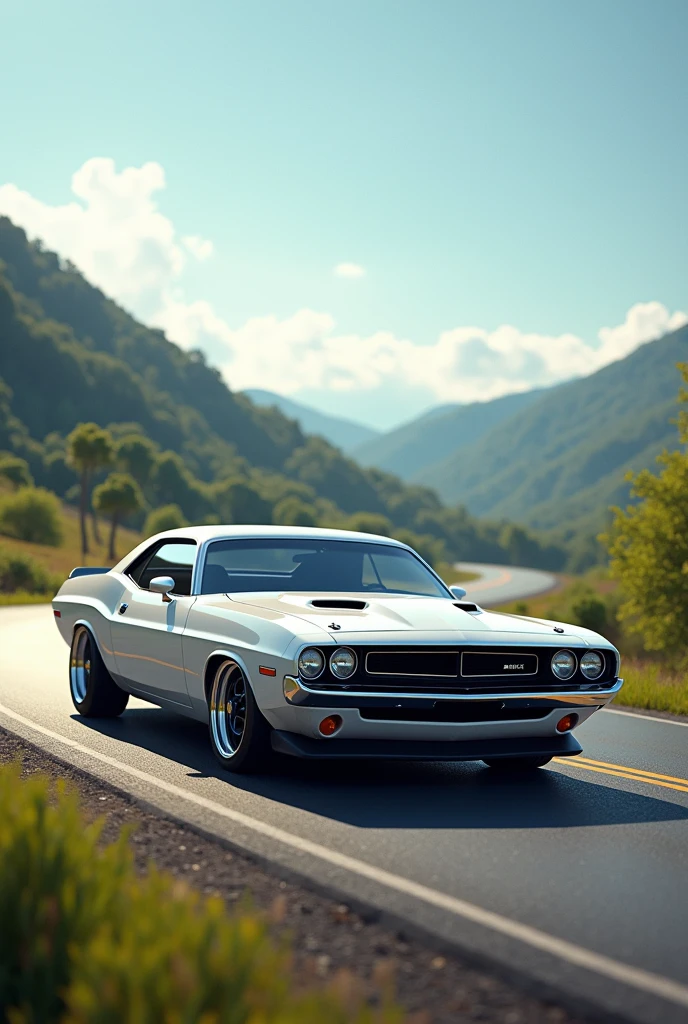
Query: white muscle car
[(325, 643)]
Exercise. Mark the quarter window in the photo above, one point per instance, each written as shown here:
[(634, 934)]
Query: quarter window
[(171, 558)]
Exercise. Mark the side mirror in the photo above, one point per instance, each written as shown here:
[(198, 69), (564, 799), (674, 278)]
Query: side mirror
[(162, 585), (458, 592)]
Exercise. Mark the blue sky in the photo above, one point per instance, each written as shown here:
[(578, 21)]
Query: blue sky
[(484, 163)]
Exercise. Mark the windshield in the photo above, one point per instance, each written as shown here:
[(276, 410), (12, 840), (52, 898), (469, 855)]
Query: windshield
[(330, 566)]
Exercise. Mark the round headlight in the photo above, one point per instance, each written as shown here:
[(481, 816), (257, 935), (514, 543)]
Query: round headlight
[(311, 663), (343, 663), (591, 664), (563, 664)]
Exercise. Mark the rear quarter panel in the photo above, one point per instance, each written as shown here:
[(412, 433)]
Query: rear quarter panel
[(91, 600)]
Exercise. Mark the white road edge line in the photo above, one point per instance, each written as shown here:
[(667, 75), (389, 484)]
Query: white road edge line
[(636, 977), (644, 718)]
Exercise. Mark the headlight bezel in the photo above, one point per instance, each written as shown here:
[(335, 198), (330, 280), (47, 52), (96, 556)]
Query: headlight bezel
[(323, 661), (564, 678), (594, 654), (339, 651)]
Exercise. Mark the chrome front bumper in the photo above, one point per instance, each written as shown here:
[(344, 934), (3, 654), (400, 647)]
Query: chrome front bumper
[(298, 694)]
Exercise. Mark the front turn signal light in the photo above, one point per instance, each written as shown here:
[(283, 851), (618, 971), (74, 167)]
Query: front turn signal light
[(330, 725), (567, 723)]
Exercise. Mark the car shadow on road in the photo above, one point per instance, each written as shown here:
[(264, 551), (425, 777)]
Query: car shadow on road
[(397, 794)]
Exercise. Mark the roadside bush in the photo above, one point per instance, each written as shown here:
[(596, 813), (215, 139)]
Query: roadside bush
[(86, 941), (32, 514), (168, 517), (22, 572), (590, 612)]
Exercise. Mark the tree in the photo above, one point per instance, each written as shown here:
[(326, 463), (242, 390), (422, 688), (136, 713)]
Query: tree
[(136, 455), (169, 517), (89, 448), (294, 512), (117, 498), (15, 470), (648, 545), (32, 514), (173, 484), (370, 522), (238, 502)]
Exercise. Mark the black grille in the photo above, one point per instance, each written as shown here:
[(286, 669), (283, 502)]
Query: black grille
[(412, 663), (461, 670)]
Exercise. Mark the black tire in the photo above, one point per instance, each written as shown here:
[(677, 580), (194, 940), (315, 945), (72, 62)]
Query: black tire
[(239, 734), (94, 692), (516, 764)]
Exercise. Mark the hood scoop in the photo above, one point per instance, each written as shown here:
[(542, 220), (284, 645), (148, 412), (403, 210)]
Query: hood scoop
[(339, 604), (467, 606)]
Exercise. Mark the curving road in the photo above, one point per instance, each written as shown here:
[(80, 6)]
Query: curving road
[(501, 583), (574, 879)]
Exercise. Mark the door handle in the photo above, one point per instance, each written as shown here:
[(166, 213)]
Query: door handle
[(123, 607)]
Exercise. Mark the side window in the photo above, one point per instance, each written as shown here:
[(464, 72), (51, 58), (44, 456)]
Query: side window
[(171, 558), (134, 570)]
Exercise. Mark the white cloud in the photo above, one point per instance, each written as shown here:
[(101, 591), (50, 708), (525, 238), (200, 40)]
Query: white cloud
[(349, 270), (201, 248), (116, 234)]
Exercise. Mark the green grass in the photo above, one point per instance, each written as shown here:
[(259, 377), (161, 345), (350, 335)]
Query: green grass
[(23, 597), (63, 559), (653, 687)]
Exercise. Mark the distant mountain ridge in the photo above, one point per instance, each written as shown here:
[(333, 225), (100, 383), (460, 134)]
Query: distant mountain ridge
[(562, 459), (339, 431), (437, 434)]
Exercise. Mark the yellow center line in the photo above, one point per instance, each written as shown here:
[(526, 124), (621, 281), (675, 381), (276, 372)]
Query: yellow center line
[(569, 762), (636, 771)]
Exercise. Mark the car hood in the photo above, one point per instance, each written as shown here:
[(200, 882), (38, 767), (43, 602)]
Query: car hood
[(439, 618)]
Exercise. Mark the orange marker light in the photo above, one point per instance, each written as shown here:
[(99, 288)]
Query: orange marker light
[(329, 725), (265, 671), (566, 723)]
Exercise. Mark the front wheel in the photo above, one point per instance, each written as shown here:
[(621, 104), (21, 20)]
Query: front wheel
[(94, 692), (239, 734), (517, 764)]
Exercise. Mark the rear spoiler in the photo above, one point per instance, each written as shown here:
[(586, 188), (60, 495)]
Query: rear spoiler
[(88, 570)]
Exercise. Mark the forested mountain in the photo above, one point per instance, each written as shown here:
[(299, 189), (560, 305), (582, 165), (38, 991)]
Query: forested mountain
[(563, 459), (437, 434), (68, 354), (341, 432)]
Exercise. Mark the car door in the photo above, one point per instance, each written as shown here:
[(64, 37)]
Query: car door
[(147, 630)]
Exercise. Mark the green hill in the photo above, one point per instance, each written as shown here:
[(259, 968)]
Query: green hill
[(562, 461), (69, 354), (437, 434), (339, 431)]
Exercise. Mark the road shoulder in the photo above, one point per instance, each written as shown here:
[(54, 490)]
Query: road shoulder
[(433, 985)]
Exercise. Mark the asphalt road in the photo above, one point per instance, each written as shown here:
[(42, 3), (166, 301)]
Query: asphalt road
[(575, 879), (499, 583)]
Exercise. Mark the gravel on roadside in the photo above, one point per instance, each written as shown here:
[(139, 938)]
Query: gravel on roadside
[(326, 936)]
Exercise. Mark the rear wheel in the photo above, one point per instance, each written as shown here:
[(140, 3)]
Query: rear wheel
[(517, 764), (239, 735), (94, 692)]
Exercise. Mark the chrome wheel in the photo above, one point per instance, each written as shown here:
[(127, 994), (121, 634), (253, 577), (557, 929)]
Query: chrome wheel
[(80, 665), (228, 709)]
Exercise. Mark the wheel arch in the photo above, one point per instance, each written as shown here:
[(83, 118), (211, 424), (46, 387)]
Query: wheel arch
[(212, 664), (89, 626)]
